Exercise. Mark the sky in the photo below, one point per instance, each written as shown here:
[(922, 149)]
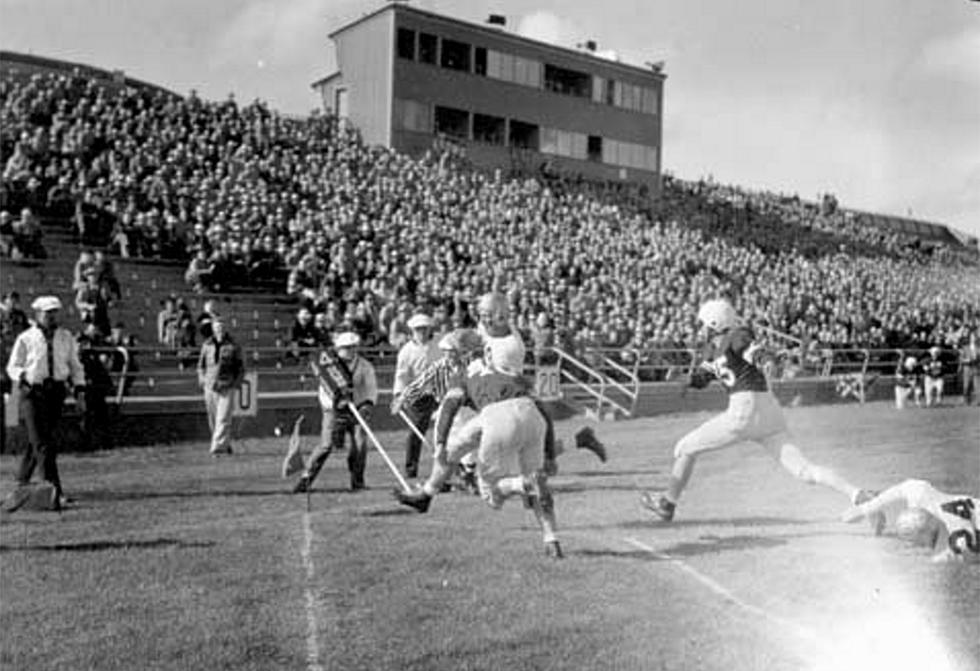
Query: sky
[(875, 101)]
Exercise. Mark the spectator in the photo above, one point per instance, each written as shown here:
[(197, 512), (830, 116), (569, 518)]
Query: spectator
[(208, 314), (168, 322), (95, 418), (220, 371), (105, 275), (85, 263), (970, 367), (92, 303), (200, 272), (303, 337)]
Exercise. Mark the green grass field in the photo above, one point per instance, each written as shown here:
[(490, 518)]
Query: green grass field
[(173, 560)]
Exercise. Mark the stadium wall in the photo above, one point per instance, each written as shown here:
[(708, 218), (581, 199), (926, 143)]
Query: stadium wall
[(155, 421)]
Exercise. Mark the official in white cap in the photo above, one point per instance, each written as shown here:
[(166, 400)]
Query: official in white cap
[(339, 422), (414, 357), (44, 362)]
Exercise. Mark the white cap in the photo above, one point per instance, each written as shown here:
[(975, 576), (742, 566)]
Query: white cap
[(420, 321), (347, 339), (45, 303)]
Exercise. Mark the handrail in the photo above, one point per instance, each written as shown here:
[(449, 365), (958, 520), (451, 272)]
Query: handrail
[(600, 395), (633, 394)]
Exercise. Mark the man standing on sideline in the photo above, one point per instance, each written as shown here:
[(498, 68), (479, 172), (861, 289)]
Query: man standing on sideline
[(932, 370), (414, 358), (970, 367), (43, 360), (220, 371), (339, 421)]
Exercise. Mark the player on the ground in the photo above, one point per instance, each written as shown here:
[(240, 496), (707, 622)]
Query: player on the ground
[(507, 435), (753, 415), (926, 516)]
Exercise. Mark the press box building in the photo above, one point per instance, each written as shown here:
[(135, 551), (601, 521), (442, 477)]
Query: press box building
[(407, 76)]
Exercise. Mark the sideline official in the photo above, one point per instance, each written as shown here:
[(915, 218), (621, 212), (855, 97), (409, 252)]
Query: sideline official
[(338, 420), (220, 371), (43, 361)]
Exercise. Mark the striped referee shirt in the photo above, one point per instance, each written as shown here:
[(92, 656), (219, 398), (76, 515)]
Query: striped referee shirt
[(436, 381)]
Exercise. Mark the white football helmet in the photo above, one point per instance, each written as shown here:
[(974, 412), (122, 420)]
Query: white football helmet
[(918, 526), (718, 315), (910, 362)]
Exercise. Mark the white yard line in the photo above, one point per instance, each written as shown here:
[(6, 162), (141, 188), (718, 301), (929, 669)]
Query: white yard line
[(795, 628), (312, 647)]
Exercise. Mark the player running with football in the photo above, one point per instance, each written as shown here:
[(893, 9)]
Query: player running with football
[(926, 516), (753, 415), (508, 435)]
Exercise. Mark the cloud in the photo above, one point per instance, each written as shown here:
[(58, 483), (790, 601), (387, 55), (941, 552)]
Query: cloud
[(954, 57), (279, 33), (551, 28)]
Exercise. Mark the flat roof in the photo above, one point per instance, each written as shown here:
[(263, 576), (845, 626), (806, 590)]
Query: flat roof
[(498, 32)]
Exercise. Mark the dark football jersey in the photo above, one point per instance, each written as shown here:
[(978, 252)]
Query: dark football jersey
[(933, 368), (488, 387), (731, 362)]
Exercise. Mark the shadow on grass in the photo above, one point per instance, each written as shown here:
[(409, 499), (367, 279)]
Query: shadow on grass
[(106, 496), (98, 546), (387, 512), (706, 545), (611, 472), (653, 523), (580, 487)]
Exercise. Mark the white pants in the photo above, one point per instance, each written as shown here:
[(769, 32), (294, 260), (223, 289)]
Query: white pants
[(508, 439), (934, 390), (219, 406)]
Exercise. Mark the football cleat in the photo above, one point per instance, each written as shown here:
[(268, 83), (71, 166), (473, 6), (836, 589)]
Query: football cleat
[(585, 440), (876, 520), (418, 500), (658, 505), (552, 549)]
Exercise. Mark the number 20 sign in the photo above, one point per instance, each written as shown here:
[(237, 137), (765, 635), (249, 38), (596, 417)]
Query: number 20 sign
[(547, 383)]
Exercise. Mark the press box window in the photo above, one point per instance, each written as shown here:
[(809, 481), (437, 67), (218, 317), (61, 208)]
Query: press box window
[(488, 129), (480, 61), (594, 150), (405, 43), (452, 122), (524, 135), (455, 55), (428, 48)]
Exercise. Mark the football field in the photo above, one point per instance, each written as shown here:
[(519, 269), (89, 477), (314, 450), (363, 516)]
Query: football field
[(171, 559)]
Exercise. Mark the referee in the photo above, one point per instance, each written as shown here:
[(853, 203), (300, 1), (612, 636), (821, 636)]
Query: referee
[(43, 360)]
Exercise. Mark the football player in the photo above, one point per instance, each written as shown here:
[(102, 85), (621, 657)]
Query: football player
[(907, 376), (932, 374), (926, 516), (508, 436), (504, 352), (753, 415)]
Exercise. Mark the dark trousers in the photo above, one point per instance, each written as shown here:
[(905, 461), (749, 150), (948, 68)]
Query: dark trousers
[(95, 421), (337, 425), (420, 414), (41, 408)]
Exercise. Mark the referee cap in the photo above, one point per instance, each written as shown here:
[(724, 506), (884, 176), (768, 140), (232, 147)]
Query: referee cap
[(46, 303), (347, 339), (420, 321)]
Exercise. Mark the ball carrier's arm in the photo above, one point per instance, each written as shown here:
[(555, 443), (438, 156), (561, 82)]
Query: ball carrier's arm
[(334, 380)]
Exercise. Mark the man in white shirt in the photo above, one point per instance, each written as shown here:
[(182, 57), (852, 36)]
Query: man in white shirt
[(414, 358), (43, 361)]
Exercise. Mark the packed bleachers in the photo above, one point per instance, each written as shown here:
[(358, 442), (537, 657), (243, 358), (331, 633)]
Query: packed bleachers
[(205, 198)]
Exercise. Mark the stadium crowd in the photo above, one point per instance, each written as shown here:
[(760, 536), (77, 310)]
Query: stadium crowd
[(363, 236)]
